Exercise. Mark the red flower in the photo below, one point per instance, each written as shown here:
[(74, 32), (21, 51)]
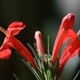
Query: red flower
[(66, 25), (70, 51), (65, 33), (39, 43), (11, 41)]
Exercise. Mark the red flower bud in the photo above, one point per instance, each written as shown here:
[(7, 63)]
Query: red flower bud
[(39, 43)]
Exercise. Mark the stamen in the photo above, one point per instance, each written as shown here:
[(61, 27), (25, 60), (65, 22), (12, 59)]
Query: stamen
[(4, 31)]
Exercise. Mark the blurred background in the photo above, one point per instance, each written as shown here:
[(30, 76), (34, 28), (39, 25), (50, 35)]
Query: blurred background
[(43, 15)]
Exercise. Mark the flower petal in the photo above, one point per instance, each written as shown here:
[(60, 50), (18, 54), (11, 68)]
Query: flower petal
[(71, 47), (15, 27), (74, 53), (67, 21), (5, 54), (61, 65), (70, 35)]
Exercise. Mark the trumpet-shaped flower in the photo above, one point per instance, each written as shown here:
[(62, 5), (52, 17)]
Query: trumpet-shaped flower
[(66, 25), (10, 41), (70, 51)]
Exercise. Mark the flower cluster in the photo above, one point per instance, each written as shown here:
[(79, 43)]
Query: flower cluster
[(45, 66)]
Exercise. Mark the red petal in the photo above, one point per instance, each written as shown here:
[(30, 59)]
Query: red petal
[(72, 46), (5, 54), (5, 44), (63, 62), (74, 53), (15, 27), (70, 35), (67, 21)]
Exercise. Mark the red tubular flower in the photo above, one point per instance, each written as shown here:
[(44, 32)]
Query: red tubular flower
[(39, 43), (67, 24), (70, 51), (11, 41)]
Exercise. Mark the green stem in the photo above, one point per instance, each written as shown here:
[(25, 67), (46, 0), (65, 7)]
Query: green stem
[(15, 77), (47, 75)]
